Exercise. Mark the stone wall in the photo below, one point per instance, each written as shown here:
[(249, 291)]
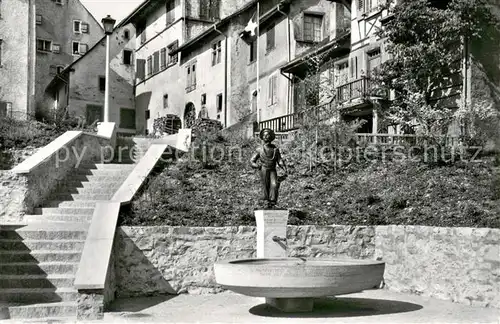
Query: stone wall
[(20, 193), (457, 264), (157, 260)]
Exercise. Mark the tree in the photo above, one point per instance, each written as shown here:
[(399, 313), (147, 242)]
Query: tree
[(426, 45)]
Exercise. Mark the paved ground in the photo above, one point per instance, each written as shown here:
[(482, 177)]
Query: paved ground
[(375, 306)]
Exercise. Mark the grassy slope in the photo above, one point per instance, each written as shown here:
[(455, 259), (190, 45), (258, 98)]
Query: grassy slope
[(464, 194)]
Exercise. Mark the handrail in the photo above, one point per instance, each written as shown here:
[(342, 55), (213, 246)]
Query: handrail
[(46, 152), (95, 265)]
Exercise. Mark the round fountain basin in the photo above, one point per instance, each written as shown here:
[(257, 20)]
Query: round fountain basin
[(298, 278)]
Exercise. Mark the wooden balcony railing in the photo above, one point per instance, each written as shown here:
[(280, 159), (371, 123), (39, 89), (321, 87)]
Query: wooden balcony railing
[(404, 139), (291, 122)]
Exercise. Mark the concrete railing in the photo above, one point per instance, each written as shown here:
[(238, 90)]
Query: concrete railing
[(95, 276)]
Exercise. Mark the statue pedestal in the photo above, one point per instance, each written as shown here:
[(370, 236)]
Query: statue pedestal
[(271, 223)]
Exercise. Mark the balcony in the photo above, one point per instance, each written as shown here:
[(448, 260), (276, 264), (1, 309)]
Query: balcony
[(359, 91)]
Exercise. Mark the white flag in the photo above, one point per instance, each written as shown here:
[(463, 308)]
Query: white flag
[(251, 27)]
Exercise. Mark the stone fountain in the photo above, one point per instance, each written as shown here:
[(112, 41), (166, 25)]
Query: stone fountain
[(291, 284)]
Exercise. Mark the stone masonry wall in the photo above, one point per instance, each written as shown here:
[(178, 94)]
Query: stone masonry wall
[(20, 193), (457, 264), (156, 260)]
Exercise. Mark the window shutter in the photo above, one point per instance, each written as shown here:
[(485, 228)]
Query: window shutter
[(56, 48), (141, 69), (156, 61), (83, 48), (361, 6), (270, 91), (275, 89), (193, 74), (85, 28)]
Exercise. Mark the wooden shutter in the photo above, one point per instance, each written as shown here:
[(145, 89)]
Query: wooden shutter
[(85, 28), (156, 61), (141, 69), (275, 89), (193, 74)]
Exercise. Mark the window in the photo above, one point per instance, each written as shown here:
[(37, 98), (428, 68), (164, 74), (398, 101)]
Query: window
[(312, 27), (141, 30), (102, 83), (0, 8), (127, 57), (373, 5), (38, 19), (156, 62), (219, 102), (216, 52), (56, 48), (43, 45), (253, 51), (374, 60), (254, 101), (79, 48), (85, 28), (341, 76), (150, 65), (127, 118), (59, 2), (126, 34), (77, 26), (270, 38), (141, 69), (272, 97), (172, 59), (165, 101), (53, 70), (1, 41), (191, 77), (204, 99), (361, 5), (5, 109), (163, 58), (209, 9), (170, 11), (147, 114), (94, 113), (354, 67)]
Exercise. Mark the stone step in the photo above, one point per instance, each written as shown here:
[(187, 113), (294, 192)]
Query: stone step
[(72, 203), (64, 211), (42, 245), (36, 281), (58, 218), (103, 172), (40, 256), (82, 197), (37, 295), (69, 184), (34, 268), (85, 191), (45, 313), (98, 178), (46, 234), (107, 166)]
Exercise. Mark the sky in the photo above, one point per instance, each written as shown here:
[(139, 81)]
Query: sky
[(118, 9)]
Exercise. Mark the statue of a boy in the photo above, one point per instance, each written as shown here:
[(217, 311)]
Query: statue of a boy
[(269, 156)]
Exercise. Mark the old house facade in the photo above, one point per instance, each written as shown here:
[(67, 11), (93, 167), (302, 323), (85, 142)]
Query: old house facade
[(65, 30), (17, 58), (79, 89)]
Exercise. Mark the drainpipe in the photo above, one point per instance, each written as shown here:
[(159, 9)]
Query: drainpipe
[(225, 73), (288, 97)]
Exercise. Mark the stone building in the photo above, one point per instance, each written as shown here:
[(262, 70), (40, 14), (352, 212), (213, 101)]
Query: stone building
[(65, 30), (79, 88), (17, 58), (163, 26)]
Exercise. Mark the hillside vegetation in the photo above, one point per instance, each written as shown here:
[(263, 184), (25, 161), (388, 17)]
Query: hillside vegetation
[(188, 192)]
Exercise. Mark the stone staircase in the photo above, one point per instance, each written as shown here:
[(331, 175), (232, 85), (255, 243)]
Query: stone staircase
[(38, 262)]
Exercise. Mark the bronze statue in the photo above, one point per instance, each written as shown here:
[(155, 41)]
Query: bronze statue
[(269, 156)]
